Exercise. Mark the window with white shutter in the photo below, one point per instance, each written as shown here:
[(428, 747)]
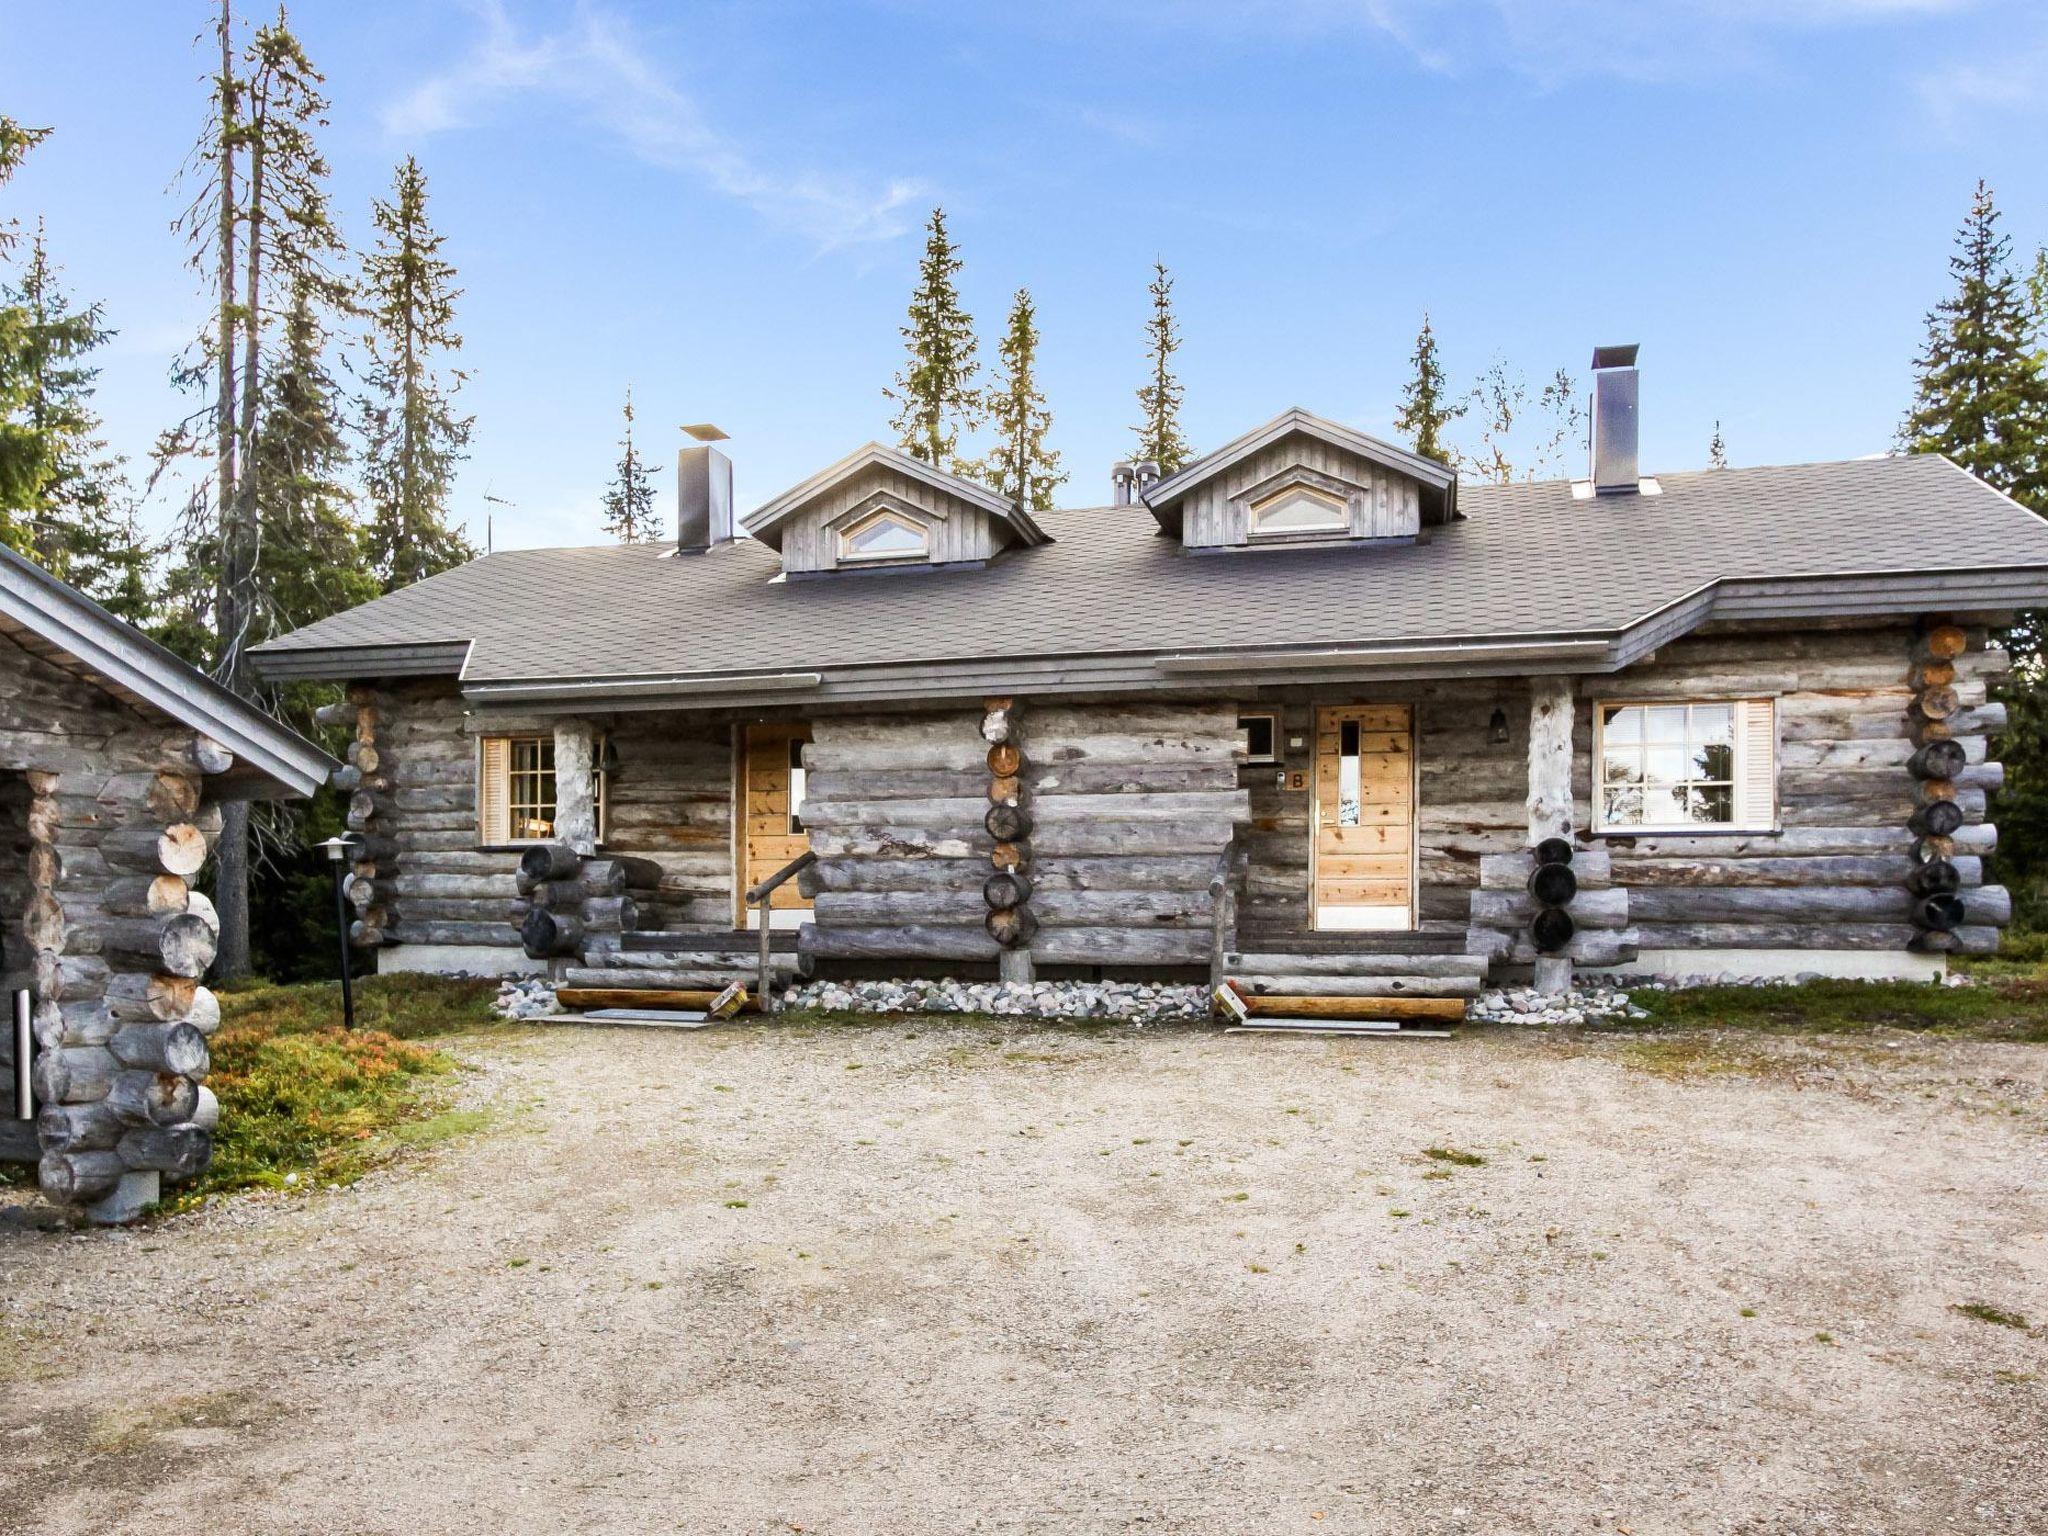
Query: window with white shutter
[(1686, 766), (492, 811)]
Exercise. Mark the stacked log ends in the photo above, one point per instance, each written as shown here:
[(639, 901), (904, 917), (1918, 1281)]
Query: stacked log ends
[(122, 1033), (1010, 921), (367, 779), (1938, 908), (568, 898), (1553, 885)]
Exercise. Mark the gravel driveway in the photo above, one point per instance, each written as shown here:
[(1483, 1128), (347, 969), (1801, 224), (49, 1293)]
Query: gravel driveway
[(943, 1277)]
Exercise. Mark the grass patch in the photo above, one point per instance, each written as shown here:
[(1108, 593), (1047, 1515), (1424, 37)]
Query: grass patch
[(305, 1103), (2008, 1002), (1984, 1312), (1453, 1155), (406, 1007), (1686, 1056)]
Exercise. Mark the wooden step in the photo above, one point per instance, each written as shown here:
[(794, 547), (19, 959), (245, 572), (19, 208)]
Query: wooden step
[(1357, 986), (1365, 963), (1285, 1005), (1357, 1027), (1311, 941), (641, 998), (653, 1018), (706, 941)]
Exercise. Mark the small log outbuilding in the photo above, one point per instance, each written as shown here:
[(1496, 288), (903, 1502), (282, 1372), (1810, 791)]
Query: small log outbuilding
[(115, 760)]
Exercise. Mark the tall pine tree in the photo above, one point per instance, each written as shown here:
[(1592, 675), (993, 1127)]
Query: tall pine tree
[(414, 436), (629, 499), (1717, 450), (1159, 399), (74, 517), (1981, 392), (1426, 404), (1021, 468), (314, 560), (937, 394), (257, 227)]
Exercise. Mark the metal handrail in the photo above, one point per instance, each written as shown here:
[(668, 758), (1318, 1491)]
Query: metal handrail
[(757, 897)]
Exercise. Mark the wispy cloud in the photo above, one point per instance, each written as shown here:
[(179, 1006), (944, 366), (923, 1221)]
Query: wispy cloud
[(598, 69), (1563, 39), (2016, 82)]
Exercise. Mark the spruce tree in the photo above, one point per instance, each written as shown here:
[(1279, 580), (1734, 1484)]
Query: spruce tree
[(1426, 405), (23, 460), (66, 506), (1159, 400), (937, 394), (1717, 450), (258, 226), (1021, 468), (314, 560), (629, 499), (1981, 392), (414, 436)]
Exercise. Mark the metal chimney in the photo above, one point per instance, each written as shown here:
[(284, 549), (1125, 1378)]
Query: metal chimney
[(1144, 475), (703, 493), (1616, 386), (1120, 483)]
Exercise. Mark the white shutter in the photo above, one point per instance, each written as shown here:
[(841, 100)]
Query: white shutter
[(1756, 785), (494, 790)]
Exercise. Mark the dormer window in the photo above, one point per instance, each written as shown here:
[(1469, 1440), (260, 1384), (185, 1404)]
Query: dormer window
[(883, 535), (1299, 509), (879, 509)]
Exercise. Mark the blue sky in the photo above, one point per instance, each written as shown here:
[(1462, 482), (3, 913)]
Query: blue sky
[(720, 205)]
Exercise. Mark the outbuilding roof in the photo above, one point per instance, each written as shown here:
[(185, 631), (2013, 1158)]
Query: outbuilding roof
[(67, 628), (1532, 578)]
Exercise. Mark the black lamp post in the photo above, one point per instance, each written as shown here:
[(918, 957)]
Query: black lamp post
[(337, 858)]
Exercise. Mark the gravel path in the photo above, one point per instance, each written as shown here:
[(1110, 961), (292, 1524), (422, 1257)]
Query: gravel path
[(944, 1277)]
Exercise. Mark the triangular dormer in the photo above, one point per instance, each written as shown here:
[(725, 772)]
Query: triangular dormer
[(880, 509), (1300, 480)]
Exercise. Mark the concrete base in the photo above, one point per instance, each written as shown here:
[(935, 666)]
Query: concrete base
[(1857, 964), (1014, 965), (136, 1192), (458, 960), (1552, 975)]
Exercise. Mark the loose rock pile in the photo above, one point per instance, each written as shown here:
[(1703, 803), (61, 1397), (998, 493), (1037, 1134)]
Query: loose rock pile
[(1138, 1003), (1525, 1005), (527, 997)]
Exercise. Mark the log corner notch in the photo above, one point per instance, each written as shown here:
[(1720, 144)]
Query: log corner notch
[(121, 1034), (1950, 919), (1551, 882), (1010, 921), (573, 903), (366, 779)]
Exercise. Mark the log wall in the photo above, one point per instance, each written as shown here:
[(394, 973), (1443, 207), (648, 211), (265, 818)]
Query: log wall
[(1127, 807), (106, 809), (428, 879)]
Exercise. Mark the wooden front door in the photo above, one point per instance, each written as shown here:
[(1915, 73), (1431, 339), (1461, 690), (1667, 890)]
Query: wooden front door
[(771, 823), (1363, 822)]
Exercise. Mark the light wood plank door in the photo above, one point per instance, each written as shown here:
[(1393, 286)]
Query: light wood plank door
[(1362, 851), (771, 825)]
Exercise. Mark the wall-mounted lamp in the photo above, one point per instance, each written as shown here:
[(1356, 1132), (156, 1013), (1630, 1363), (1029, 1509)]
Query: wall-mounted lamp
[(1497, 728)]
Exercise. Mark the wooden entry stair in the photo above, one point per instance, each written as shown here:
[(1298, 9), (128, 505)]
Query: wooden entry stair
[(1372, 981)]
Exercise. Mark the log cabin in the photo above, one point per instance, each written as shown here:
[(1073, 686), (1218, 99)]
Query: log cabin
[(116, 762), (1309, 714)]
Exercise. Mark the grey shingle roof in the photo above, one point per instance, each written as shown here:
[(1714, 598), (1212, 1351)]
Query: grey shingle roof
[(1527, 560)]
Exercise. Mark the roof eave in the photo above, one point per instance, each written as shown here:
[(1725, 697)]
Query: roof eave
[(130, 660)]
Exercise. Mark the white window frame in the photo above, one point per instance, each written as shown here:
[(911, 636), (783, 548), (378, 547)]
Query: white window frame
[(853, 530), (494, 811), (1339, 520), (1753, 772)]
